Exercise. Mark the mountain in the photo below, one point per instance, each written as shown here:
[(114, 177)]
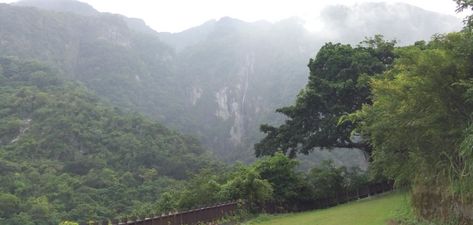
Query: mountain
[(188, 37), (84, 9), (240, 74), (220, 80), (60, 5)]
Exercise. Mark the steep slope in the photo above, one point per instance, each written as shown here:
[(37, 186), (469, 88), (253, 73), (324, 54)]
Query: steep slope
[(132, 69), (84, 9), (240, 74), (60, 5), (67, 155), (188, 37)]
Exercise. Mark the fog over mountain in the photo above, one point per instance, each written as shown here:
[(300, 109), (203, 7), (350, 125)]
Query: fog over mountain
[(219, 80), (402, 21)]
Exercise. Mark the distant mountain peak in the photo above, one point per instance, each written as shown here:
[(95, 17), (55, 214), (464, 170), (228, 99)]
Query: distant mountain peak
[(84, 9), (74, 6)]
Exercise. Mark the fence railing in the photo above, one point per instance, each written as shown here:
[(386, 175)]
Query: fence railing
[(209, 213), (272, 207), (195, 215)]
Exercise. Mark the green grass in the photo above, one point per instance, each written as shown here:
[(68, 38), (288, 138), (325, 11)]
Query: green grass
[(367, 212)]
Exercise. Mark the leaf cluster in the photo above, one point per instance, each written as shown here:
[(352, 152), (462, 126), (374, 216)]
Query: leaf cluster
[(420, 120)]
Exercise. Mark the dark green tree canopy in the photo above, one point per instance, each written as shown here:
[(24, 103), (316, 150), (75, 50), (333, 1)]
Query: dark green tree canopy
[(337, 85)]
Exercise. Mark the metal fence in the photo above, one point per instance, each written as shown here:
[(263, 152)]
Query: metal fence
[(214, 212), (195, 215), (273, 207)]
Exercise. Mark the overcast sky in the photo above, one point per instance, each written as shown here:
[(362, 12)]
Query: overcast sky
[(178, 15)]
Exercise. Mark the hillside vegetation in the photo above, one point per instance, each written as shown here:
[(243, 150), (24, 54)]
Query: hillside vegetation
[(67, 155)]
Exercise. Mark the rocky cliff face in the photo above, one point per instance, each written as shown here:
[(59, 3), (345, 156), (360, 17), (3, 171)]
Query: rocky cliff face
[(236, 104), (241, 81)]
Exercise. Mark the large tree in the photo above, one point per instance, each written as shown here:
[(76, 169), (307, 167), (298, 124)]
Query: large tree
[(337, 86)]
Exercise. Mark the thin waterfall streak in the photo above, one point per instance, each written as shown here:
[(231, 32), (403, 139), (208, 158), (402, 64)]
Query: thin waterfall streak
[(246, 87)]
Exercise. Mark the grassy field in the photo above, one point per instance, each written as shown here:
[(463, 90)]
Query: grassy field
[(367, 212)]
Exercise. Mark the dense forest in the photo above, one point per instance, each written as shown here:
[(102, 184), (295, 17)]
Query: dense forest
[(101, 118), (67, 155)]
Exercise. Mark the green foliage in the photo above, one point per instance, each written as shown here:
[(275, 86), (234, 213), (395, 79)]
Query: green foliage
[(465, 5), (336, 86), (202, 188), (9, 205), (68, 223), (405, 214), (67, 155), (419, 123), (329, 180), (272, 178), (262, 218), (211, 186), (246, 183), (287, 184)]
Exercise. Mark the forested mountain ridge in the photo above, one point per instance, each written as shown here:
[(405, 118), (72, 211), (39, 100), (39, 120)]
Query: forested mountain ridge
[(221, 81), (67, 155), (118, 63), (82, 8)]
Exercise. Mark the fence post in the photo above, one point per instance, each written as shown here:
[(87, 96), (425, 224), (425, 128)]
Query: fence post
[(214, 212), (185, 216), (166, 214), (198, 214), (143, 219), (133, 219), (104, 222), (172, 216), (115, 222), (177, 216), (192, 215), (151, 216)]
